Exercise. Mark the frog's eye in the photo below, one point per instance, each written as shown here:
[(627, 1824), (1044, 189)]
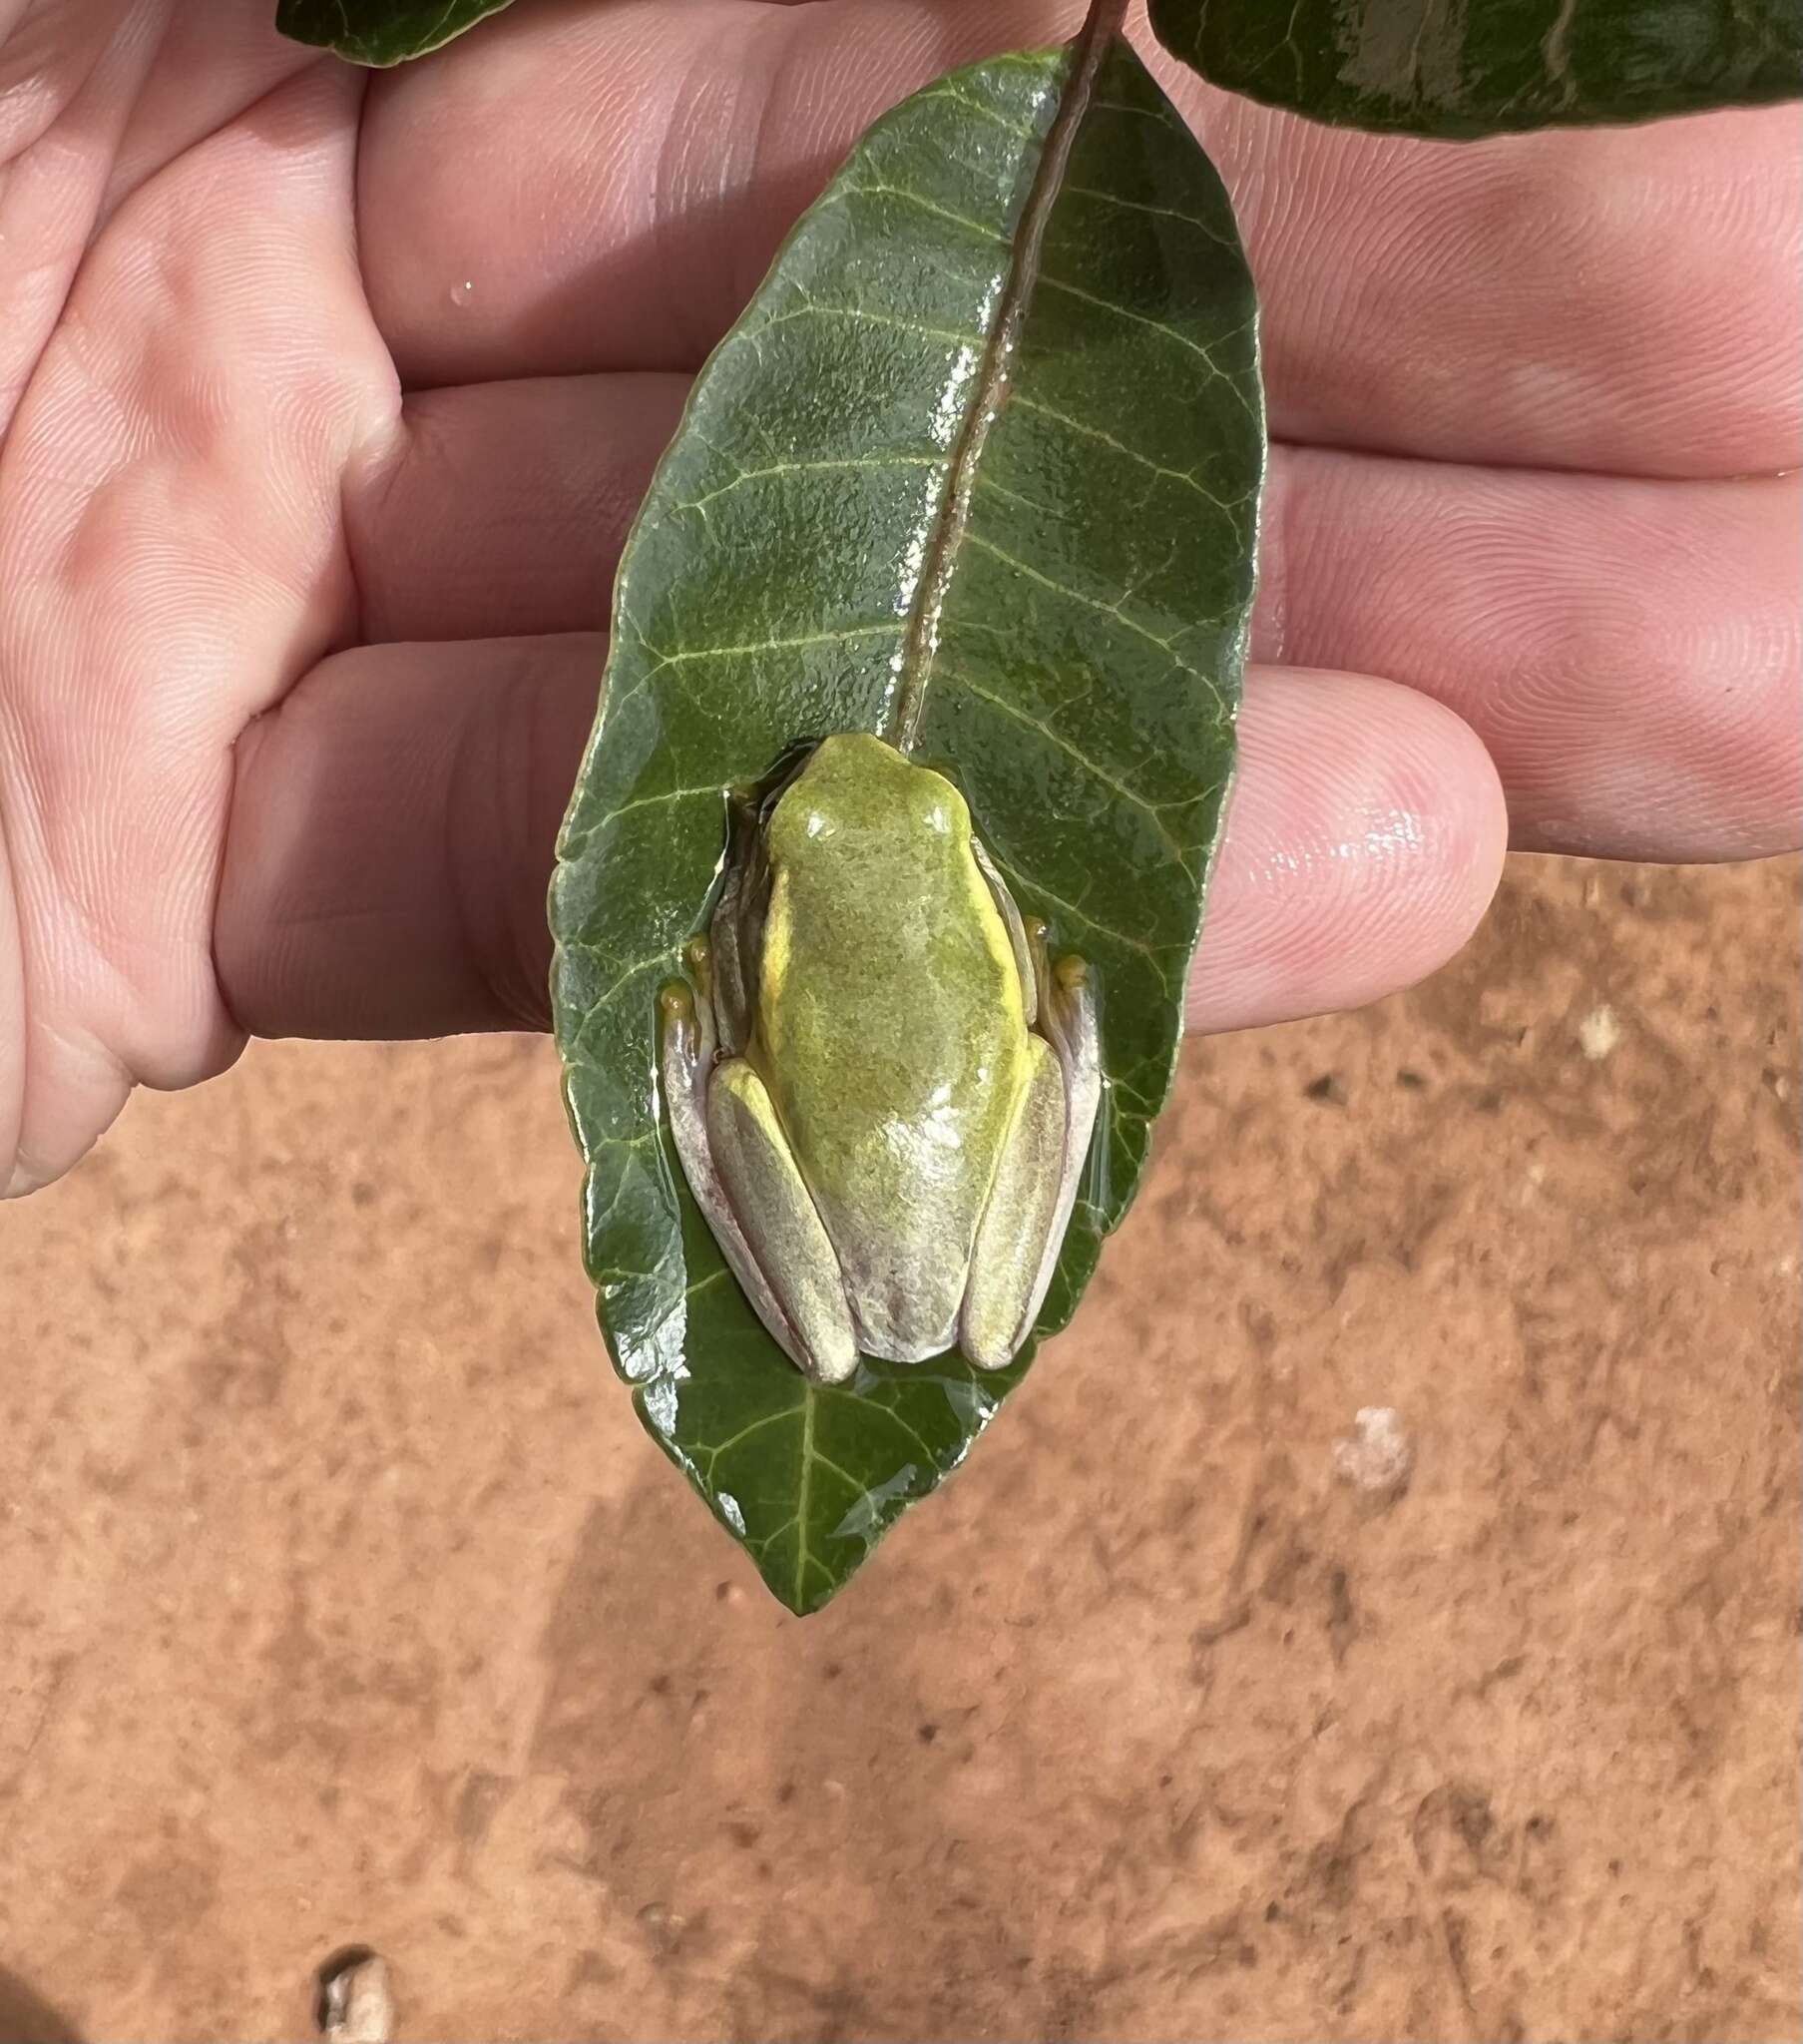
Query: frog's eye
[(797, 821), (935, 805)]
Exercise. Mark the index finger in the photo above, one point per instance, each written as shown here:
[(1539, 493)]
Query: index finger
[(578, 189)]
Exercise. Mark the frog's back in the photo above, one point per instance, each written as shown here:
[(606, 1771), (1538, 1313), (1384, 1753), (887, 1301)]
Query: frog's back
[(894, 1032)]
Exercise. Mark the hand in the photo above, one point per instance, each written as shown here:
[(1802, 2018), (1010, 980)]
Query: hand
[(326, 401)]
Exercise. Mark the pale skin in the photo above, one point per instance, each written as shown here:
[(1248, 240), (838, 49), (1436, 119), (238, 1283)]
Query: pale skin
[(324, 404), (881, 1091)]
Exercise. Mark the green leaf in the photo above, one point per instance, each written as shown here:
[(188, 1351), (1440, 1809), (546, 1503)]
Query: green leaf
[(380, 31), (984, 452), (1460, 69)]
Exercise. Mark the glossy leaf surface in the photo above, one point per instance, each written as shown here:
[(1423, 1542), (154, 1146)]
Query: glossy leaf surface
[(380, 32), (1462, 69), (979, 467)]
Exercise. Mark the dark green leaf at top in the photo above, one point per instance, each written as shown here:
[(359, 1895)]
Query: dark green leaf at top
[(380, 32), (978, 470), (1460, 69)]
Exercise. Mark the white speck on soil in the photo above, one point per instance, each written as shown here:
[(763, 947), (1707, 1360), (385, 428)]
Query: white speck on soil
[(1378, 1455), (1599, 1033)]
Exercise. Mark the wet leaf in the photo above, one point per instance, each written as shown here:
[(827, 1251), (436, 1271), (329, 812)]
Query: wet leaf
[(1483, 67), (985, 451), (380, 32)]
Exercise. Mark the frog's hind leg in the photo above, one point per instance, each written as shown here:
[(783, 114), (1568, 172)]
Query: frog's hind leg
[(1029, 1207), (1006, 1257), (792, 1258), (746, 1184), (1068, 1016)]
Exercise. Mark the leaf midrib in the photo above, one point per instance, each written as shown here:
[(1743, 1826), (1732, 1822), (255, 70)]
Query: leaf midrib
[(804, 1495), (989, 388)]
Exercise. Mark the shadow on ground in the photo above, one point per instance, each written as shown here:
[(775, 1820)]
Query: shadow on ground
[(26, 2018)]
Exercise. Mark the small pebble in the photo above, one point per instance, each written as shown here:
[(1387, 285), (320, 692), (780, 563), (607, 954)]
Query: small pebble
[(355, 2004), (1379, 1455), (1599, 1033)]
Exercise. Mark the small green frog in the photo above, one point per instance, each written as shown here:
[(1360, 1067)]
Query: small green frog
[(881, 1091)]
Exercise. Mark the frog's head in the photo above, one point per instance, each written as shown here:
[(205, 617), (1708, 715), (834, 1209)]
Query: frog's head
[(857, 788)]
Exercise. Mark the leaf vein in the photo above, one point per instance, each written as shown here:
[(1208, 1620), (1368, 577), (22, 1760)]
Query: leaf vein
[(856, 1484), (1129, 796), (897, 1420), (1094, 603), (1126, 205), (651, 802), (1018, 129), (746, 1432), (835, 636), (1150, 952), (804, 1488), (1127, 106), (819, 309), (666, 958), (1163, 326), (1107, 439), (879, 462), (979, 228)]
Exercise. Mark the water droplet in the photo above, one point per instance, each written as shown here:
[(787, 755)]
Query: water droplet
[(462, 293)]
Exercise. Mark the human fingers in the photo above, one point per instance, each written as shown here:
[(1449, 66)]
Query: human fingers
[(601, 189), (501, 508), (169, 556), (393, 823), (1628, 649)]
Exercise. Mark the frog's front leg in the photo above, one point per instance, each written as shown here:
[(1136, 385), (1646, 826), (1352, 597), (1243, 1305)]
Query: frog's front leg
[(745, 1179), (1029, 1207)]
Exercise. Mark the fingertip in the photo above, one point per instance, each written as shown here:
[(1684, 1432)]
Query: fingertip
[(1364, 840)]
